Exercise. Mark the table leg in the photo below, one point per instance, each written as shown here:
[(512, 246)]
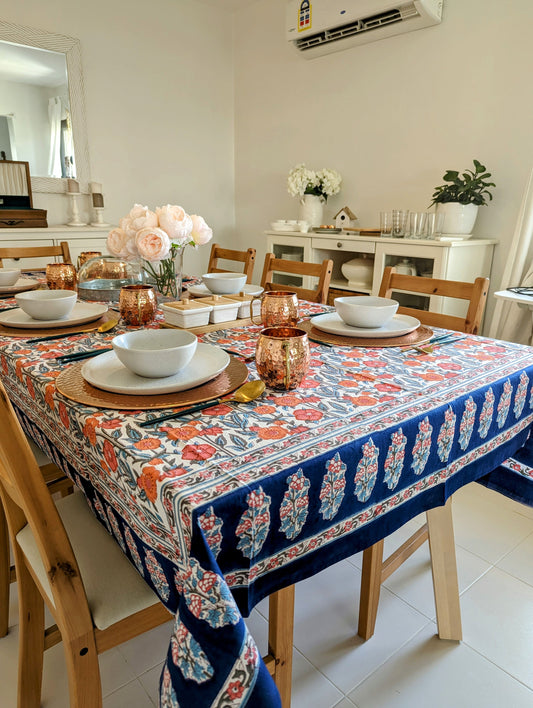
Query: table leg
[(370, 589), (444, 570), (280, 634)]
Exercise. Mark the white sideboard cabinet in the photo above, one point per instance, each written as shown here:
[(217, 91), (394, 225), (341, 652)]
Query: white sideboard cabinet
[(79, 239), (449, 260)]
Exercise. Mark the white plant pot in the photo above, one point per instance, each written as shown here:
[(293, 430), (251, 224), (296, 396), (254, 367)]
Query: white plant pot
[(311, 209), (458, 218)]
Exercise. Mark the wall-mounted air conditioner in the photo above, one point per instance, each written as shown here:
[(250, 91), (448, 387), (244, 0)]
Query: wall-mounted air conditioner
[(317, 27)]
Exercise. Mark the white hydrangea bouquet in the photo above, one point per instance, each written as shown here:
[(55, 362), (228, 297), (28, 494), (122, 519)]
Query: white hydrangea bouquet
[(159, 238), (322, 183)]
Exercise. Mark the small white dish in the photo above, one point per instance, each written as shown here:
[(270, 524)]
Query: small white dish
[(47, 305), (108, 373), (224, 283), (365, 310), (189, 313), (20, 286), (332, 324), (9, 276), (155, 353), (222, 309), (82, 312), (201, 290)]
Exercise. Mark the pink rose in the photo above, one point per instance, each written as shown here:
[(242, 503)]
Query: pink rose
[(201, 233), (176, 223), (140, 217), (153, 244), (117, 243)]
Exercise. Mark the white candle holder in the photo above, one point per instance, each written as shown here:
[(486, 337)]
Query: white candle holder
[(75, 220), (98, 217)]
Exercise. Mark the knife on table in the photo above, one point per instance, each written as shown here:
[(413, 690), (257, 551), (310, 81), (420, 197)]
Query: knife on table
[(66, 358)]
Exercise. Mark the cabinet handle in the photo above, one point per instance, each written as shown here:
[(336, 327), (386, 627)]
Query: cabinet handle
[(339, 244)]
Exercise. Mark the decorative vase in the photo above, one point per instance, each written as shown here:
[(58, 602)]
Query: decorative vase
[(166, 275), (311, 209), (458, 218)]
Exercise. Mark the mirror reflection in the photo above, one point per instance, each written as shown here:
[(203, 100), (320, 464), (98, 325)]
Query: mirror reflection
[(35, 116)]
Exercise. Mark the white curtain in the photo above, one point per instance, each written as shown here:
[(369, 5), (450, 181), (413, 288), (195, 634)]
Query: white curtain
[(510, 321), (54, 115)]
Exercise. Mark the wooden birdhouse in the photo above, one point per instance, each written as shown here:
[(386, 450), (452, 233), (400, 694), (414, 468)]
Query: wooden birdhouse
[(345, 218)]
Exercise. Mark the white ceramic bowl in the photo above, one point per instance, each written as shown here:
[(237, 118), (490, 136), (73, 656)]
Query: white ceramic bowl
[(9, 276), (224, 283), (359, 270), (47, 304), (365, 310), (155, 353)]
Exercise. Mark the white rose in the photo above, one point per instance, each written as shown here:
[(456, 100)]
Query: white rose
[(153, 244), (176, 223), (118, 242), (140, 217), (201, 233)]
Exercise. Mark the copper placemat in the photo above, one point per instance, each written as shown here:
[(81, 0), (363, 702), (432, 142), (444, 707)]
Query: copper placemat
[(419, 336), (45, 331), (72, 385)]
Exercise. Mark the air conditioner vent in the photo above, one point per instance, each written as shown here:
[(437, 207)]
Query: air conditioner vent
[(355, 28)]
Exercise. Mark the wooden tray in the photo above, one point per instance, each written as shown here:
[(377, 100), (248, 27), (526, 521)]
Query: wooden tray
[(419, 336), (72, 385), (45, 331), (204, 329)]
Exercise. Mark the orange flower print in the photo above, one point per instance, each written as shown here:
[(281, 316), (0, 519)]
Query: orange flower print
[(363, 401), (18, 369), (308, 414), (148, 482), (270, 432), (49, 395), (110, 456), (288, 400), (4, 364), (29, 386), (63, 414), (185, 432), (264, 409), (147, 444), (198, 452), (89, 430)]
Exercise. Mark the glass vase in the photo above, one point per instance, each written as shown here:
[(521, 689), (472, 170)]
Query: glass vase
[(166, 275)]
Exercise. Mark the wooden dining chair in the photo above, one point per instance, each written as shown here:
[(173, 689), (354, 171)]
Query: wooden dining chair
[(227, 254), (376, 570), (322, 271), (57, 482), (61, 251), (66, 558)]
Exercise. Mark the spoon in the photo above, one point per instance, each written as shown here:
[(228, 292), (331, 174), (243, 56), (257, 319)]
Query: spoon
[(106, 326), (246, 393)]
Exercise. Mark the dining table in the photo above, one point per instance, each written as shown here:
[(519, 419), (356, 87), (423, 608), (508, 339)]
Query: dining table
[(222, 508)]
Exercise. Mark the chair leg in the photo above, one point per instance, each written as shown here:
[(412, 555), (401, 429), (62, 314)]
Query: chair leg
[(4, 574), (31, 640), (85, 687), (280, 634), (444, 570), (370, 589)]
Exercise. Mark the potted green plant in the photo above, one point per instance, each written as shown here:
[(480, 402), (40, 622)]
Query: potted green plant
[(459, 199)]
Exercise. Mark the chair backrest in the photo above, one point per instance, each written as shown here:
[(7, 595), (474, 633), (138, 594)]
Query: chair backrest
[(36, 252), (27, 501), (227, 254), (322, 271), (474, 293)]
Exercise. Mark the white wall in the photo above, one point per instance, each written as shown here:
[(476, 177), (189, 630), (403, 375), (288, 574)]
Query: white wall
[(159, 98), (391, 116), (29, 104)]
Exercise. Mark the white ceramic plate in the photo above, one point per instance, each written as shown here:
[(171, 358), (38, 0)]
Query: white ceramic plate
[(202, 290), (108, 373), (332, 324), (82, 312), (20, 286)]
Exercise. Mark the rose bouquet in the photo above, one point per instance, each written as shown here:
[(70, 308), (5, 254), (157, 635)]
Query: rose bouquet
[(158, 238), (322, 183)]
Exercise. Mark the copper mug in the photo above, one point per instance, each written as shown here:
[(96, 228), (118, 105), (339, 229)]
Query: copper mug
[(137, 304), (87, 255), (282, 357), (61, 276), (279, 308)]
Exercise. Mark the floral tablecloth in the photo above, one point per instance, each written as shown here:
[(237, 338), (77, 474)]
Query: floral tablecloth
[(219, 510)]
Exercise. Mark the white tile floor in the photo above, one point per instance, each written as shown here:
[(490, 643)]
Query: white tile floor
[(404, 665)]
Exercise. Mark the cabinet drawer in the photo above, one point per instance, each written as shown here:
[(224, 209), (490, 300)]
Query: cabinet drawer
[(343, 245)]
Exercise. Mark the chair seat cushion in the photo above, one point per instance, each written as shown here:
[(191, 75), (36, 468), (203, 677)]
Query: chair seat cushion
[(114, 588)]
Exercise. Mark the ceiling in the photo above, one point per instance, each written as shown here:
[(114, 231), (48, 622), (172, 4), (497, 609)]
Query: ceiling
[(32, 66)]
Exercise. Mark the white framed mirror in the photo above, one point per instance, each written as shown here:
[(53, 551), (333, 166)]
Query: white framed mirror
[(70, 48)]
